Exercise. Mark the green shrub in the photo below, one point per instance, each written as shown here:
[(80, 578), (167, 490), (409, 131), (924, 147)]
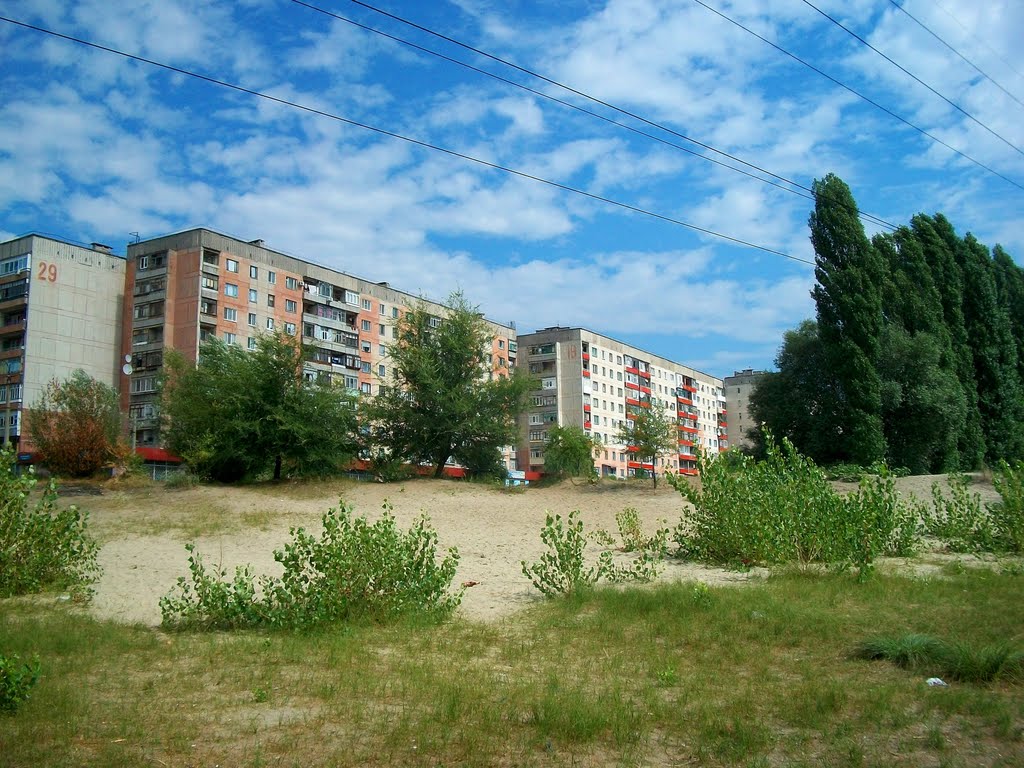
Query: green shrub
[(1008, 513), (632, 534), (784, 510), (40, 547), (964, 525), (16, 680), (562, 570), (181, 480), (356, 570)]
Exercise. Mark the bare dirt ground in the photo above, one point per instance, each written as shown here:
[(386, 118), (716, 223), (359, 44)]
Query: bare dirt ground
[(143, 531)]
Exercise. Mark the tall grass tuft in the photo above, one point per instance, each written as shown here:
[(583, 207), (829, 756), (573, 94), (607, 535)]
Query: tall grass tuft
[(957, 660)]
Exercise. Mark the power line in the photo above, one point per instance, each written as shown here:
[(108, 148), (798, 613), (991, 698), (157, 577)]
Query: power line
[(994, 52), (392, 134), (963, 58), (808, 192), (860, 95), (620, 110), (906, 71)]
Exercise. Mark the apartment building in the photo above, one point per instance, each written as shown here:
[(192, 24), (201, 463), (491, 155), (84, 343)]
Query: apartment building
[(594, 382), (737, 396), (60, 310), (191, 286)]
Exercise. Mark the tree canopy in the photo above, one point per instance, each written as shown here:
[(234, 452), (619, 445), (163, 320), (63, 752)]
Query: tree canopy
[(648, 434), (915, 355), (444, 402), (569, 452), (238, 413), (76, 425)]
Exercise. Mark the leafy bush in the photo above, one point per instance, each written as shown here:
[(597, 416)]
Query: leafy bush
[(783, 510), (955, 661), (41, 547), (181, 480), (562, 570), (632, 535), (964, 525), (16, 680), (355, 570), (846, 473), (1008, 513)]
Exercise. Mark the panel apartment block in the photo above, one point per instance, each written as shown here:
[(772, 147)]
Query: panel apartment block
[(594, 382), (737, 394), (60, 310), (199, 284)]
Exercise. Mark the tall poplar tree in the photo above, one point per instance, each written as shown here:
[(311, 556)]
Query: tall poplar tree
[(848, 297), (1010, 285)]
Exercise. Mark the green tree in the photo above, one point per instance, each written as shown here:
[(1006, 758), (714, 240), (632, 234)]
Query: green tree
[(76, 425), (239, 414), (939, 254), (569, 452), (445, 403), (848, 297), (803, 401), (1010, 285), (648, 433)]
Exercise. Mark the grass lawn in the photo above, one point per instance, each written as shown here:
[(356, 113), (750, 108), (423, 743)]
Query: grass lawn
[(762, 675)]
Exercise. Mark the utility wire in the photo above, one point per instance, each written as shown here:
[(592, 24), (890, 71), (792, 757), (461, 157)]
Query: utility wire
[(392, 134), (963, 58), (906, 71), (995, 53), (807, 192), (861, 96), (669, 130)]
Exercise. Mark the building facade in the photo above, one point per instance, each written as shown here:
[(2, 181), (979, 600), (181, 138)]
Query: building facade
[(737, 395), (61, 307), (594, 382), (195, 285)]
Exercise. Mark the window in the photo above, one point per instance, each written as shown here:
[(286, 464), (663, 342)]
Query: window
[(365, 325), (383, 330), (364, 366), (381, 371), (382, 350), (501, 343), (143, 263), (351, 382), (254, 272), (367, 304), (144, 384), (535, 418), (253, 296), (252, 319), (10, 266), (230, 314), (251, 343), (230, 289), (352, 298), (365, 346), (270, 323), (290, 306), (381, 311), (230, 338), (394, 312), (270, 299), (364, 388), (548, 383), (231, 265), (618, 359), (291, 283), (210, 283), (289, 328)]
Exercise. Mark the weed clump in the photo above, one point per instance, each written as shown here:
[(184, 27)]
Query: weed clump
[(563, 569), (356, 570), (783, 510), (41, 547)]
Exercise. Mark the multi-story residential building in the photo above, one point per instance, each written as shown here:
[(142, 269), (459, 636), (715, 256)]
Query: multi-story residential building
[(190, 286), (595, 382), (60, 310), (737, 396)]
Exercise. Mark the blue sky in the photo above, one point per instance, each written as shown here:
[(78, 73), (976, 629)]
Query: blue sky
[(94, 147)]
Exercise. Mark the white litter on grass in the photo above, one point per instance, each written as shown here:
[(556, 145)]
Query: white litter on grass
[(937, 681)]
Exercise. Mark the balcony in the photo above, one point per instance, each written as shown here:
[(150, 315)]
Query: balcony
[(586, 407), (586, 424), (633, 402), (586, 356), (645, 390), (586, 373), (631, 385), (632, 370), (13, 327), (684, 400)]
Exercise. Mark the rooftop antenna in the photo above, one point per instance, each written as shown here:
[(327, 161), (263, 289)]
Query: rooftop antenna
[(136, 236)]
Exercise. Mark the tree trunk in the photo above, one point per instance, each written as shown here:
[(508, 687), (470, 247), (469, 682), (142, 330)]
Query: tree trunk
[(441, 461), (277, 468)]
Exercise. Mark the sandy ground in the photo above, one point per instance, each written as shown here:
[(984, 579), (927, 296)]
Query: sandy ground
[(143, 531)]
